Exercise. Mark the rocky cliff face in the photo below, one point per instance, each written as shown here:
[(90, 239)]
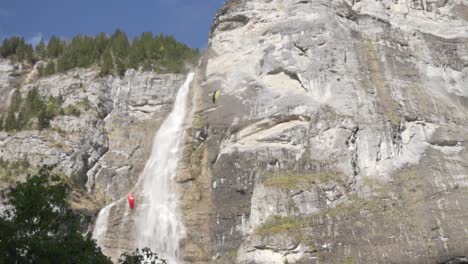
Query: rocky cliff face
[(104, 148), (340, 135)]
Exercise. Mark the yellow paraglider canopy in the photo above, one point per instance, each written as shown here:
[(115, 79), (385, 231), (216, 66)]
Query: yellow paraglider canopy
[(216, 95)]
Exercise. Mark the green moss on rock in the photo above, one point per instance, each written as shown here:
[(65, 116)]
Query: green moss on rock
[(299, 180), (279, 224)]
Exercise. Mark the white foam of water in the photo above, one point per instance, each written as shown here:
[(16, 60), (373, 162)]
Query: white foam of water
[(159, 226)]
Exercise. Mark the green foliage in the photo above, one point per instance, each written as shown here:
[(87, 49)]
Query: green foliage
[(21, 121), (131, 258), (296, 180), (10, 121), (137, 257), (34, 102), (85, 104), (16, 100), (16, 49), (114, 54), (232, 255), (279, 224), (72, 110), (23, 111), (101, 43), (120, 49), (55, 47), (43, 120), (53, 105), (35, 106), (39, 226), (46, 69), (40, 52), (356, 205), (106, 64), (10, 169)]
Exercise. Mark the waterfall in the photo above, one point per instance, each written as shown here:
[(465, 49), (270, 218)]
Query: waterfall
[(100, 229), (158, 225)]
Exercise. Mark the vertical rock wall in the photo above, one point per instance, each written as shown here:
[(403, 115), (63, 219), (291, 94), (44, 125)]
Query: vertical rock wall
[(104, 148), (340, 135)]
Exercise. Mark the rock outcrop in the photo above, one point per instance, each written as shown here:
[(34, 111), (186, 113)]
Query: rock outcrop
[(7, 83), (340, 135), (105, 146)]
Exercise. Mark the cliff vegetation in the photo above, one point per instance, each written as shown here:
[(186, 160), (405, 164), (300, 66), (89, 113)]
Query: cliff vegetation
[(114, 54)]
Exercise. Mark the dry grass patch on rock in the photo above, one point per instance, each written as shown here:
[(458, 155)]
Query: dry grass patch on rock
[(279, 224), (299, 180)]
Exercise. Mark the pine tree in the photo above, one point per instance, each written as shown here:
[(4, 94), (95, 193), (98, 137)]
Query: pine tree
[(2, 121), (101, 42), (10, 121), (50, 68), (16, 101), (115, 54), (136, 54), (120, 48), (120, 44), (21, 121), (24, 52), (106, 65), (41, 50), (120, 67), (17, 49), (54, 47), (64, 63), (43, 120), (34, 104), (9, 46)]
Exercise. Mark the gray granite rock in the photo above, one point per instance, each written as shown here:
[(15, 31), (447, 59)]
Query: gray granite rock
[(106, 146), (346, 119)]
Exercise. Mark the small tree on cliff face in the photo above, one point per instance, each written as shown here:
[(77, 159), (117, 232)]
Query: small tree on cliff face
[(39, 227)]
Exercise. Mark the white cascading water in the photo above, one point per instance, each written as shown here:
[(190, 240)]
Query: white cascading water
[(100, 228), (158, 225)]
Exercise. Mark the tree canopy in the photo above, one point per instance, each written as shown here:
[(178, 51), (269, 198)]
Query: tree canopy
[(145, 256), (114, 54), (17, 49), (39, 226)]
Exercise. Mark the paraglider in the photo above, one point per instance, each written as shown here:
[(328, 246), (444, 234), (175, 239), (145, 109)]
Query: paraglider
[(216, 95), (131, 201)]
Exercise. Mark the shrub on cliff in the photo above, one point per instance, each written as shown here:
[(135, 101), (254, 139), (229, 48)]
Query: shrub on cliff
[(23, 113)]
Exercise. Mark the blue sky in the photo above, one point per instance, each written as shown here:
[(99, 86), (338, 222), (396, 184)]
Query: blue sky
[(188, 20)]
